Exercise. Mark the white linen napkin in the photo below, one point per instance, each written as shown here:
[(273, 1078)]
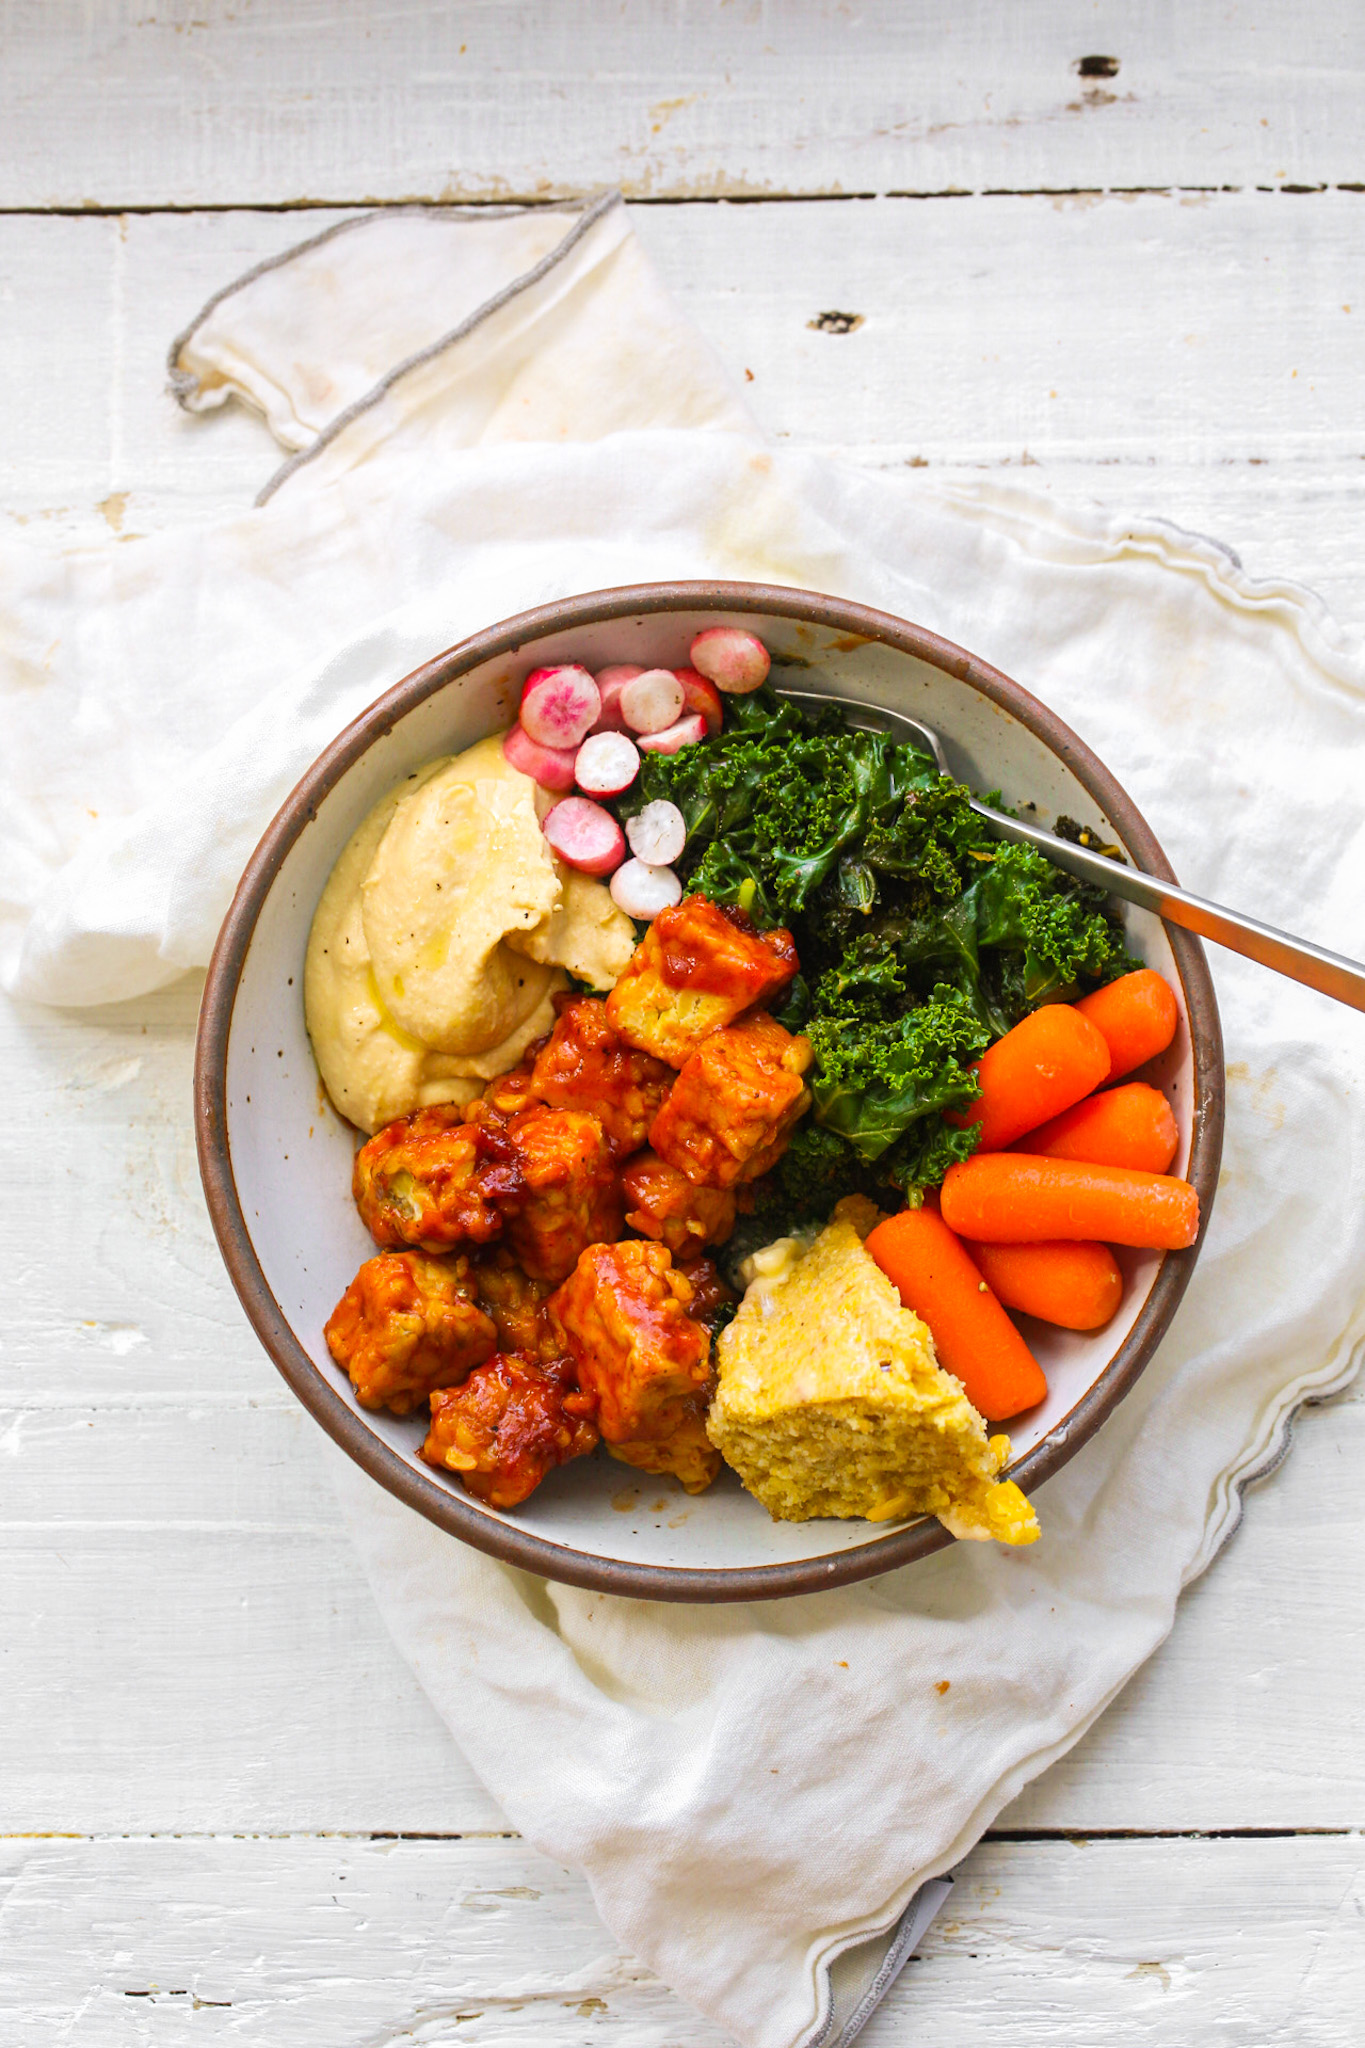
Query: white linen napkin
[(756, 1795)]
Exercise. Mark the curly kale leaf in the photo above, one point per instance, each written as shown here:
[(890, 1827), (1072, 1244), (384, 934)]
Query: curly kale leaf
[(771, 803), (928, 841), (874, 1080), (1057, 928), (920, 1159), (730, 872), (818, 1169), (868, 983)]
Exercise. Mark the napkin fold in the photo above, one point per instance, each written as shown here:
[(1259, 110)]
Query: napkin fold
[(482, 410)]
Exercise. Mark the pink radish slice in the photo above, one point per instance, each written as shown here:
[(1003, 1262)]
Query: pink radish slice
[(685, 733), (652, 700), (658, 833), (610, 683), (551, 767), (606, 764), (730, 658), (701, 696), (643, 891), (585, 836), (559, 706)]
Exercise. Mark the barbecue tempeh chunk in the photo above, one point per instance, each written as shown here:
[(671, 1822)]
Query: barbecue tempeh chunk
[(697, 967), (569, 1194), (731, 1110), (407, 1324), (584, 1064), (508, 1425), (624, 1317), (664, 1204), (433, 1179)]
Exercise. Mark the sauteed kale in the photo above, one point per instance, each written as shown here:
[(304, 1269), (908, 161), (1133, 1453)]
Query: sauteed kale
[(922, 939)]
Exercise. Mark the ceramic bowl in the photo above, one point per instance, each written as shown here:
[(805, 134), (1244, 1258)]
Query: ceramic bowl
[(276, 1160)]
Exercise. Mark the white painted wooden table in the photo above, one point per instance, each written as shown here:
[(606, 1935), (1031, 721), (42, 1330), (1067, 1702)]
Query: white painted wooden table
[(228, 1813)]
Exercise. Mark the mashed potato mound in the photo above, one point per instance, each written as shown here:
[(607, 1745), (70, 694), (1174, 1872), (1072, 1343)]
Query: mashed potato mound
[(830, 1401)]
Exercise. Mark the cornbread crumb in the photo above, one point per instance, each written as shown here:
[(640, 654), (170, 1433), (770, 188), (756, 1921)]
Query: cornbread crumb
[(831, 1402)]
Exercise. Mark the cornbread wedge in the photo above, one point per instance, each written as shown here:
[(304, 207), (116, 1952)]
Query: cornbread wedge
[(830, 1401)]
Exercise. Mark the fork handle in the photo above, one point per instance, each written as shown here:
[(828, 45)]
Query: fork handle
[(1332, 974)]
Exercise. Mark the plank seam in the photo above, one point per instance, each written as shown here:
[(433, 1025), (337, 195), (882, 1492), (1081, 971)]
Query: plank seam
[(100, 211), (1079, 1837)]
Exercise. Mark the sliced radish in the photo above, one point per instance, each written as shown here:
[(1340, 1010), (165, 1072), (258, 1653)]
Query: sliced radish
[(701, 696), (551, 767), (730, 658), (685, 733), (652, 700), (606, 764), (643, 891), (559, 706), (610, 683), (657, 834), (585, 836)]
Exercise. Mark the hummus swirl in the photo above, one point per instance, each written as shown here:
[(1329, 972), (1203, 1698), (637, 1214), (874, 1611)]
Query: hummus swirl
[(441, 937), (463, 863)]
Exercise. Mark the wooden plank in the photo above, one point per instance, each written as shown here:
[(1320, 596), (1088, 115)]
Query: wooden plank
[(998, 335), (1002, 329), (345, 1944), (145, 1307), (120, 104), (190, 1641), (191, 1645)]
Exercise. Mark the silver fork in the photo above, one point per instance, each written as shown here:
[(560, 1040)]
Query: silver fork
[(1332, 974)]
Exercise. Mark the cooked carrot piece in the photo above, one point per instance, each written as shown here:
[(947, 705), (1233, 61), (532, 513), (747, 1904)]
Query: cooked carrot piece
[(1018, 1198), (1050, 1060), (1129, 1126), (1136, 1016), (973, 1336), (1076, 1286)]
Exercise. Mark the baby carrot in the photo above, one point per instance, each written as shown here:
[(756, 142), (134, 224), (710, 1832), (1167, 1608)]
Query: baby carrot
[(1136, 1016), (1017, 1198), (973, 1336), (1128, 1126), (1041, 1067), (1077, 1286)]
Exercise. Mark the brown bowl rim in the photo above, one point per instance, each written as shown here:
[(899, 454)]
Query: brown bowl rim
[(517, 1546)]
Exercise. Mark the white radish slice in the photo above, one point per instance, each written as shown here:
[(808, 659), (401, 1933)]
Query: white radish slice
[(559, 706), (610, 683), (701, 696), (551, 767), (585, 836), (685, 733), (657, 834), (643, 891), (652, 700), (606, 764), (730, 658)]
